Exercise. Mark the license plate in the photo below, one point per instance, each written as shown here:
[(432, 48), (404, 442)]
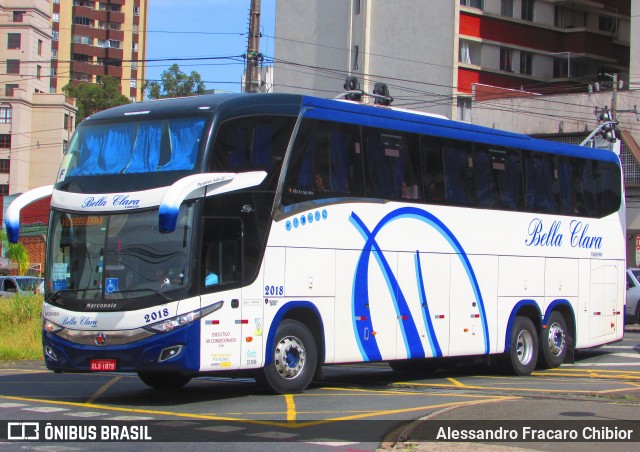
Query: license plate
[(102, 365)]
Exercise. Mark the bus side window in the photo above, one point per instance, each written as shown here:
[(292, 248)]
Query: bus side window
[(607, 185), (541, 175), (384, 153), (458, 173), (511, 181), (221, 252), (432, 169)]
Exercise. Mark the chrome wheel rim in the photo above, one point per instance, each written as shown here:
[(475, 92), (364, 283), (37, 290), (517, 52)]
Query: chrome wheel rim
[(290, 357), (557, 339), (524, 347)]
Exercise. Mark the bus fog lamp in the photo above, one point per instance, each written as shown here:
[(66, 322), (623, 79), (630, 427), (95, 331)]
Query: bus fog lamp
[(169, 353), (49, 353)]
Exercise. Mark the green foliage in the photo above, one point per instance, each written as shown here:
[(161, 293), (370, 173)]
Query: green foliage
[(175, 83), (94, 97), (20, 327), (16, 252)]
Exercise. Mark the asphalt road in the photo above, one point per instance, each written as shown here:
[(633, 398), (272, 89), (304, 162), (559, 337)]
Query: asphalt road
[(356, 407)]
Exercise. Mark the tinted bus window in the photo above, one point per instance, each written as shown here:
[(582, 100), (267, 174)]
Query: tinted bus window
[(607, 186), (392, 165), (458, 173), (326, 162), (252, 144), (543, 192), (432, 169)]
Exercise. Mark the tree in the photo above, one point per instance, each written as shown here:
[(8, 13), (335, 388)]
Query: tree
[(94, 97), (175, 83), (16, 252)]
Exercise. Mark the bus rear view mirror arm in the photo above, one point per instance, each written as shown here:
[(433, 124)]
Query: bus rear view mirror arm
[(12, 216), (213, 183)]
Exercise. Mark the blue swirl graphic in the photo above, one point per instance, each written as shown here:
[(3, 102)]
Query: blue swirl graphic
[(362, 322)]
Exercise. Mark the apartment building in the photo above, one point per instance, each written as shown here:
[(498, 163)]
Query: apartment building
[(92, 39), (35, 125), (438, 55)]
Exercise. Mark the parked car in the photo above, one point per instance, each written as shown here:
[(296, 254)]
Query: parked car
[(632, 310), (12, 285)]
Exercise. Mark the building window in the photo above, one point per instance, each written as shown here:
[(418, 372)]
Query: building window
[(9, 88), (83, 21), (55, 17), (4, 190), (356, 55), (569, 18), (526, 61), (5, 115), (608, 24), (5, 141), (39, 46), (54, 34), (134, 47), (18, 16), (54, 54), (38, 71), (506, 59), (113, 44), (14, 40), (133, 83), (134, 65), (5, 166), (506, 8), (53, 72), (464, 109), (136, 10), (13, 66), (135, 29), (82, 39), (527, 10), (472, 3)]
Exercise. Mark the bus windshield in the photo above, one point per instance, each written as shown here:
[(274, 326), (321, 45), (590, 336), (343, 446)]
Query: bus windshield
[(108, 256), (141, 146)]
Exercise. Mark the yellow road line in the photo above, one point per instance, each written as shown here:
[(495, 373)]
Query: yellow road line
[(103, 389), (286, 424), (291, 407), (457, 383), (494, 388)]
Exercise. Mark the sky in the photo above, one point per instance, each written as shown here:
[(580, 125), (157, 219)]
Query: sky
[(206, 36)]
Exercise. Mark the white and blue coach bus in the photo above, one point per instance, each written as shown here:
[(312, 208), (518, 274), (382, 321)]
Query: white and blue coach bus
[(271, 234)]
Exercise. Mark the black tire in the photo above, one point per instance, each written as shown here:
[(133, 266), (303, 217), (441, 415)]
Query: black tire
[(422, 366), (164, 381), (522, 356), (294, 358), (554, 341)]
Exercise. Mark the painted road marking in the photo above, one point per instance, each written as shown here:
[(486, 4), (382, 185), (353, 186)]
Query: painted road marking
[(86, 414), (291, 407), (104, 388), (45, 409)]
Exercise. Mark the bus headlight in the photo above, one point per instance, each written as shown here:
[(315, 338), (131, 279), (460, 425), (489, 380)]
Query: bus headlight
[(50, 327), (167, 325)]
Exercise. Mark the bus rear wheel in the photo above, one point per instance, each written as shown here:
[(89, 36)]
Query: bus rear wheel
[(553, 341), (294, 357), (522, 356), (164, 381)]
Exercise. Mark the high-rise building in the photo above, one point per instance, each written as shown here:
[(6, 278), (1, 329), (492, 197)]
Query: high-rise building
[(34, 125), (92, 39), (438, 55)]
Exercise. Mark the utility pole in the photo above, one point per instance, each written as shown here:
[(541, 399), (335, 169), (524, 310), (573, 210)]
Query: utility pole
[(251, 78)]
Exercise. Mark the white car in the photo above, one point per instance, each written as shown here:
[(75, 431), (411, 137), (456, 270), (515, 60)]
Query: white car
[(632, 311)]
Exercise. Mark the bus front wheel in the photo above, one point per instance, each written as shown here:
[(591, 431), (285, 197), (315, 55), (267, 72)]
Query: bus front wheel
[(553, 341), (294, 357), (164, 381), (523, 347)]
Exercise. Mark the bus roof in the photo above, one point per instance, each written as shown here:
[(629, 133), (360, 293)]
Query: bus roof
[(231, 105)]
